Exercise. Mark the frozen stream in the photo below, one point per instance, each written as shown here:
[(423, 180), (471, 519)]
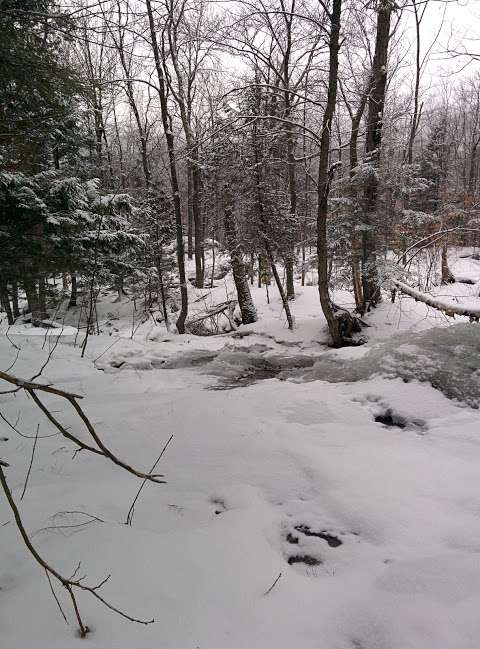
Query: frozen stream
[(434, 356)]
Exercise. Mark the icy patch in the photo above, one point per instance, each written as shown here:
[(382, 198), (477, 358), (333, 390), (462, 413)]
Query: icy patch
[(242, 367), (235, 366), (448, 358), (435, 356), (193, 358)]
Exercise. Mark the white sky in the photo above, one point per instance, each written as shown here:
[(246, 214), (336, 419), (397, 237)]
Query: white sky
[(460, 32)]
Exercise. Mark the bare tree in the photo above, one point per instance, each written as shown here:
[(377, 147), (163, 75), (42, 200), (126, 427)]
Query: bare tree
[(376, 105), (325, 174), (167, 122)]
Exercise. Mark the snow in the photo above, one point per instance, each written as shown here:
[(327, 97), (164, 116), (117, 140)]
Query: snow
[(465, 268), (295, 447), (24, 329)]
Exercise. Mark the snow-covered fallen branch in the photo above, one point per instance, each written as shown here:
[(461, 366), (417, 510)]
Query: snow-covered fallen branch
[(448, 307), (212, 315), (215, 310)]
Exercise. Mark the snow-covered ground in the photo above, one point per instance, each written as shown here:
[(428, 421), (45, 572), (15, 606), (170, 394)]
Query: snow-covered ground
[(344, 471)]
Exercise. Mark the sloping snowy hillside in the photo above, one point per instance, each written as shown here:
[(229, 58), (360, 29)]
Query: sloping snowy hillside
[(337, 470)]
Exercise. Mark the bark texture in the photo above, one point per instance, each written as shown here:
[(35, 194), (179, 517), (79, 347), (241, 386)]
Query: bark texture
[(324, 176), (240, 275)]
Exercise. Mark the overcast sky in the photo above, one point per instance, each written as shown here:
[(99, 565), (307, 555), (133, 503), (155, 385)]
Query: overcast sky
[(459, 22)]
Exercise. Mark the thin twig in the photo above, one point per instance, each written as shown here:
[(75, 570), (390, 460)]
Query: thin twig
[(132, 506), (273, 585), (16, 430), (31, 463), (64, 527), (56, 598)]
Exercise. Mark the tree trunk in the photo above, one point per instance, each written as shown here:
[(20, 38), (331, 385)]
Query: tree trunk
[(42, 297), (189, 211), (324, 177), (197, 222), (289, 276), (15, 307), (251, 269), (73, 294), (5, 302), (33, 300), (133, 105), (167, 129), (161, 284), (416, 93), (264, 229), (240, 276), (376, 102), (184, 101), (354, 238), (447, 277), (472, 169), (292, 190)]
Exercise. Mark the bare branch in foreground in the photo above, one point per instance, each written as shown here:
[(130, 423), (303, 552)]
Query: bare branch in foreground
[(69, 584), (99, 448)]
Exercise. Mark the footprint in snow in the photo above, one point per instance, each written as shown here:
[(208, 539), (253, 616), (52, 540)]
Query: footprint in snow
[(221, 506), (332, 540), (294, 538)]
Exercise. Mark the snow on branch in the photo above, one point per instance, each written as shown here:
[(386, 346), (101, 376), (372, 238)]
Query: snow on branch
[(448, 307)]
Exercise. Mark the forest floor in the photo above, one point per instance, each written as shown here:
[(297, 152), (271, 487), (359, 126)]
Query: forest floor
[(351, 473)]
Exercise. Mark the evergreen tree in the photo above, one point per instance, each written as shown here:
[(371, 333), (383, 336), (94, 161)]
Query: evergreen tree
[(37, 89)]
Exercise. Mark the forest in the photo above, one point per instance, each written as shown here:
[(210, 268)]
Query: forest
[(239, 324)]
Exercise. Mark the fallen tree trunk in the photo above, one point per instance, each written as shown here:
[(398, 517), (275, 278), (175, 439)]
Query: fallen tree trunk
[(448, 307)]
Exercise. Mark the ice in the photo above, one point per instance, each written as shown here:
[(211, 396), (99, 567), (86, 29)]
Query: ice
[(446, 357)]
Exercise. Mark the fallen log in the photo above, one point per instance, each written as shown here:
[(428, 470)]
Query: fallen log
[(448, 307), (215, 310)]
